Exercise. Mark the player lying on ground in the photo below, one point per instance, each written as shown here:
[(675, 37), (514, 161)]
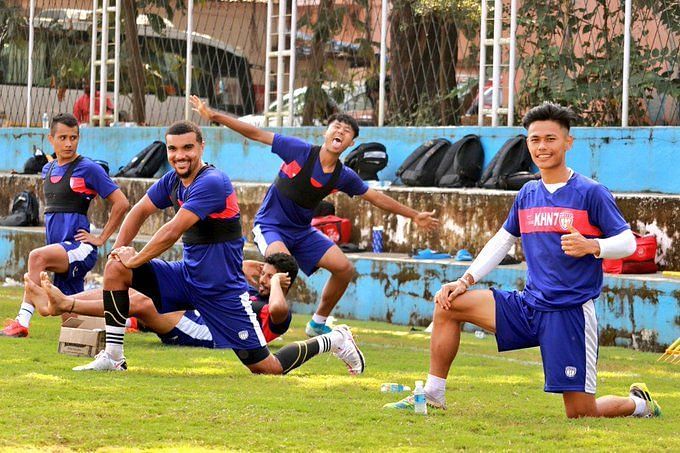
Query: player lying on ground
[(310, 173), (209, 278), (187, 328), (70, 182), (567, 223)]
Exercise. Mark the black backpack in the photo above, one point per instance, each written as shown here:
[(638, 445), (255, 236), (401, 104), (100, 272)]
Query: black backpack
[(146, 163), (510, 168), (367, 160), (420, 166), (462, 163), (36, 162), (24, 211)]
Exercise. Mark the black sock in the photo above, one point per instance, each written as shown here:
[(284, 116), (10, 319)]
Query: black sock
[(116, 311), (295, 354)]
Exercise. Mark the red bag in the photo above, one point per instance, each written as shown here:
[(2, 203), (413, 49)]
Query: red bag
[(337, 229), (640, 262)]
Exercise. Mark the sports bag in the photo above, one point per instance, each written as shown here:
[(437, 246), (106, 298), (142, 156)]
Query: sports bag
[(462, 163), (367, 160), (511, 163), (336, 228), (420, 166), (36, 162), (24, 211), (146, 163), (640, 262)]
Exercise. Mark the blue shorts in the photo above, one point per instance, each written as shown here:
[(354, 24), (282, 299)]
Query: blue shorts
[(189, 331), (307, 246), (230, 318), (81, 259), (567, 338)]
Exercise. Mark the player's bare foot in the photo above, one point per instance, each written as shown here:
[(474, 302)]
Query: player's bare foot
[(36, 295), (56, 300)]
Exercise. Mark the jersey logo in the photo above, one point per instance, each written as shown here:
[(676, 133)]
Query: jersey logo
[(243, 335), (570, 371), (550, 219)]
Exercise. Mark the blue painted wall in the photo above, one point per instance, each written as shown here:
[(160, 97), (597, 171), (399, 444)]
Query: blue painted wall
[(625, 160)]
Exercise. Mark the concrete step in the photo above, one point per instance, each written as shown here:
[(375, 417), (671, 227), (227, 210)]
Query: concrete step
[(642, 311)]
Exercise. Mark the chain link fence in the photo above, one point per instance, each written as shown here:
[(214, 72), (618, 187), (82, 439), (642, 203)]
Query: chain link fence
[(568, 51)]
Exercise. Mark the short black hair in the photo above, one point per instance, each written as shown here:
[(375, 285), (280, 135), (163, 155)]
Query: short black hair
[(185, 127), (346, 119), (67, 119), (283, 262), (549, 111)]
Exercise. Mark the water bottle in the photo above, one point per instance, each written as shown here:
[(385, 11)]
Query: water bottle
[(377, 239), (45, 121), (393, 387), (420, 404)]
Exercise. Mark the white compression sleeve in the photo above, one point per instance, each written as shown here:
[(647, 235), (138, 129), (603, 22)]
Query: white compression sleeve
[(619, 246), (493, 253)]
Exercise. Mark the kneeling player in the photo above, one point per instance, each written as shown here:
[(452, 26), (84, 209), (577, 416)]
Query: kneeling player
[(567, 223)]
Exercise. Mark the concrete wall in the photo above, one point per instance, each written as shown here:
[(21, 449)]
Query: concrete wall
[(637, 311), (469, 216), (624, 159)]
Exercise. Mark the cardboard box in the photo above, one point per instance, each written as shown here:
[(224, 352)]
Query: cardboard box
[(82, 336)]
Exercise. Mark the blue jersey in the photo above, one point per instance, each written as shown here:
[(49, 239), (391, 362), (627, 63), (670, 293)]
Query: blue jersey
[(89, 180), (277, 209), (211, 269), (555, 280)]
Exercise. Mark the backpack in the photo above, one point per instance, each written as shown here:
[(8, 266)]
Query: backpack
[(36, 162), (462, 163), (24, 211), (367, 160), (420, 166), (510, 168), (146, 163)]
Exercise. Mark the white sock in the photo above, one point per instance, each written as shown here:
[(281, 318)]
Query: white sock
[(114, 342), (330, 341), (319, 319), (25, 314), (435, 388), (640, 406)]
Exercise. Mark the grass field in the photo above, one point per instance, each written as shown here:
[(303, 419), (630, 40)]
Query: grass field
[(181, 398)]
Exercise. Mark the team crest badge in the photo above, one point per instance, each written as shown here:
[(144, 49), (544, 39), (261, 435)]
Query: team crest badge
[(570, 371), (243, 335), (566, 219)]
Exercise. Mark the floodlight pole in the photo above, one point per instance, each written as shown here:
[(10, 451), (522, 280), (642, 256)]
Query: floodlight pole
[(187, 74), (29, 82), (383, 63), (626, 63)]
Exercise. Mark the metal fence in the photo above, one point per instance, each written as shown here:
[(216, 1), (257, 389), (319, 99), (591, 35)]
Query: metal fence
[(571, 52)]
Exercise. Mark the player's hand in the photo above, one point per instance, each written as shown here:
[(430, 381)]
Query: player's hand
[(253, 270), (282, 279), (84, 236), (448, 292), (200, 107), (577, 246), (426, 220), (124, 255)]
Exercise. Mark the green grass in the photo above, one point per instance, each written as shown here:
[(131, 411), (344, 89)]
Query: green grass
[(184, 398)]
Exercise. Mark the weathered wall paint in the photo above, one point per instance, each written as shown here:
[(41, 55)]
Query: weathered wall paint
[(624, 159), (469, 216), (640, 311)]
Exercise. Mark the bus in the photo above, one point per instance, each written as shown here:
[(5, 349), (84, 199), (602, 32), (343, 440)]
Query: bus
[(61, 63)]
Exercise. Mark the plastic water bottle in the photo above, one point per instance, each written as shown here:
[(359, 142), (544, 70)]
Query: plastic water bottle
[(420, 404), (393, 387), (45, 121), (377, 239)]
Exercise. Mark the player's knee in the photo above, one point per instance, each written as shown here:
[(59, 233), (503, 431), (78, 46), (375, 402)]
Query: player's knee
[(345, 271), (37, 260), (443, 316), (114, 270)]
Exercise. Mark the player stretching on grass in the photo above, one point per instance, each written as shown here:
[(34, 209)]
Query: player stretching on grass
[(209, 278), (567, 223), (70, 181), (309, 173), (186, 328)]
